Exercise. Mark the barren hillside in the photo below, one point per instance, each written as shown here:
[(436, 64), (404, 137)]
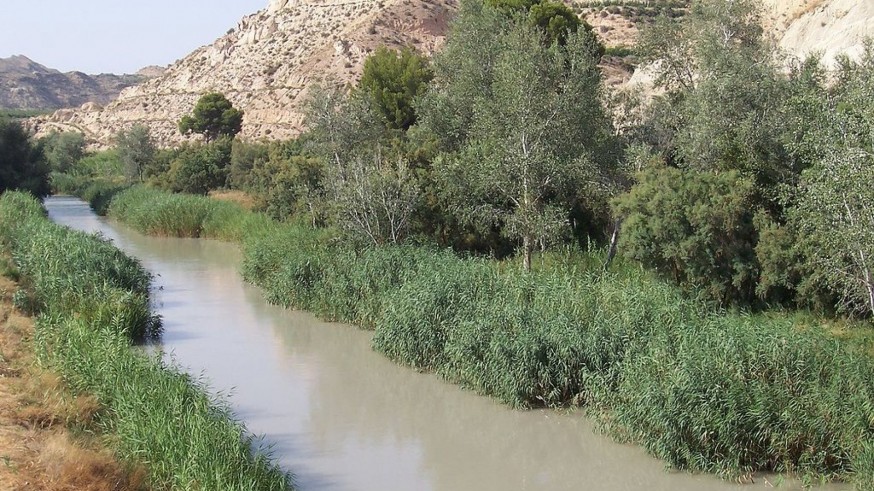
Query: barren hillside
[(265, 64), (26, 84)]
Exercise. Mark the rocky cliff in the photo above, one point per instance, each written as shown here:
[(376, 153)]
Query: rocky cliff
[(25, 84), (265, 64), (268, 61)]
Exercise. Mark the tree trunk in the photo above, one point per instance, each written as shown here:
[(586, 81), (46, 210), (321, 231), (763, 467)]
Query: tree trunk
[(527, 249), (614, 243)]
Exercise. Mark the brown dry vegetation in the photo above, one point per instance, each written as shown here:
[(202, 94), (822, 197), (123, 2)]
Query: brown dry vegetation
[(234, 196), (45, 442)]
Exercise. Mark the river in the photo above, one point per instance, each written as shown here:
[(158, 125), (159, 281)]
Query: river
[(342, 417)]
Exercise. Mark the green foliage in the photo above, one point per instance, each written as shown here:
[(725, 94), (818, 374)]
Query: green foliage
[(372, 189), (835, 219), (101, 165), (64, 150), (392, 80), (515, 152), (557, 20), (136, 150), (695, 229), (213, 116), (93, 302), (22, 163), (200, 167), (724, 90), (245, 156), (736, 393)]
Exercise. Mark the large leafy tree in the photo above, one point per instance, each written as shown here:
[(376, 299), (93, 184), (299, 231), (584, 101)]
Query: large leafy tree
[(373, 189), (64, 150), (393, 80), (521, 123), (213, 116), (835, 220), (724, 95), (833, 214), (22, 164), (136, 150)]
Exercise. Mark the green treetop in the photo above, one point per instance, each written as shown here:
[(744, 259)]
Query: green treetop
[(213, 116)]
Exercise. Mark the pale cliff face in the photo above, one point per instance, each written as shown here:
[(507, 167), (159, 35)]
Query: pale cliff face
[(266, 63)]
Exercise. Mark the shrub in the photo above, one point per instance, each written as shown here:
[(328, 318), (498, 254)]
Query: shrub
[(695, 229)]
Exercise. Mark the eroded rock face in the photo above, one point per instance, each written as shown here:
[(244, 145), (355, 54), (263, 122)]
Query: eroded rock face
[(830, 29), (266, 64)]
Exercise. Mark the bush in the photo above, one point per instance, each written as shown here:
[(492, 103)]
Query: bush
[(201, 167), (695, 229)]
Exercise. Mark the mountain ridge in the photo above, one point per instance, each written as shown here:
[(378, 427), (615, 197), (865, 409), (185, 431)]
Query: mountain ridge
[(26, 84)]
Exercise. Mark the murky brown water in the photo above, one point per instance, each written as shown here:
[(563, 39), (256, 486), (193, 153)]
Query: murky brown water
[(342, 417)]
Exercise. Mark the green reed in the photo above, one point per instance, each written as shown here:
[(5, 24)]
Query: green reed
[(92, 302), (727, 393)]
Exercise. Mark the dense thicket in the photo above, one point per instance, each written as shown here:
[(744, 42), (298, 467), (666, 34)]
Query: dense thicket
[(802, 143), (22, 162)]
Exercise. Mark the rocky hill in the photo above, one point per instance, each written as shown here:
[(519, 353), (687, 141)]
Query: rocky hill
[(268, 61), (25, 84)]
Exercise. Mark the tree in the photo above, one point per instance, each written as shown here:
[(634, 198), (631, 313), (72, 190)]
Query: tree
[(64, 150), (199, 168), (22, 164), (392, 80), (374, 192), (835, 216), (834, 203), (135, 150), (524, 120), (213, 116), (555, 19), (724, 94)]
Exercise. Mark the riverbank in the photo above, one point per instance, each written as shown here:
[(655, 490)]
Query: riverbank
[(46, 432), (724, 393), (92, 304)]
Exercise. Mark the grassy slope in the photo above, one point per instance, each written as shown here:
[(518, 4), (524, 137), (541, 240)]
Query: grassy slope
[(92, 302)]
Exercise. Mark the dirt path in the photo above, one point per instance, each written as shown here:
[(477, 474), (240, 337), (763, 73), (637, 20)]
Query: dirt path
[(38, 451)]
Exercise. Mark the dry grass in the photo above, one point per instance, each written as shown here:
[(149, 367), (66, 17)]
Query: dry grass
[(37, 450), (234, 196)]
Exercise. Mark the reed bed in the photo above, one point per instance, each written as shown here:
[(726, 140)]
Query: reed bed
[(727, 393), (93, 304)]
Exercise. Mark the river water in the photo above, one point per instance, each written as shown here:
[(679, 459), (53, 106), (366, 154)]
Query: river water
[(342, 417)]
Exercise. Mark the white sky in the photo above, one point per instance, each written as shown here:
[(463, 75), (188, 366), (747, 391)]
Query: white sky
[(114, 36)]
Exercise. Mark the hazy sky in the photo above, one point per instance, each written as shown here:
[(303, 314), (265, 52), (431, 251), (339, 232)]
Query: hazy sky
[(114, 36)]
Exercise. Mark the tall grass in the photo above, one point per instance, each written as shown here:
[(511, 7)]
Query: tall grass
[(93, 302), (720, 392)]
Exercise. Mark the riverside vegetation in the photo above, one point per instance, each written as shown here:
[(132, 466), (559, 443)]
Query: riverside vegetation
[(726, 393), (92, 304), (412, 199)]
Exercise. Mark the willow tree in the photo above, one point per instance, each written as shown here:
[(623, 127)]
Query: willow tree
[(520, 121)]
